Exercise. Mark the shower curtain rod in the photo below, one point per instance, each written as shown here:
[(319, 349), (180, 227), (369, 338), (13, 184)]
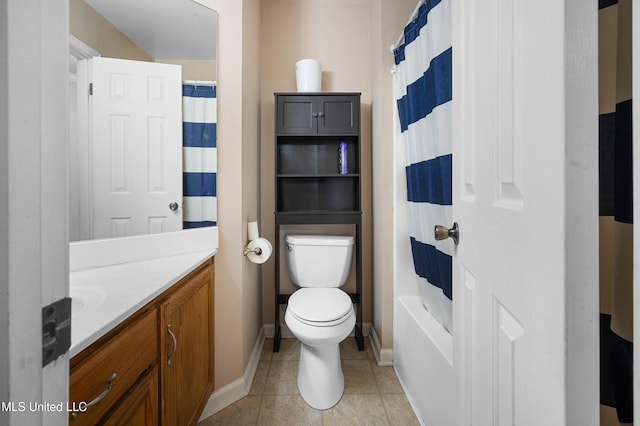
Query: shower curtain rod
[(200, 82), (413, 17)]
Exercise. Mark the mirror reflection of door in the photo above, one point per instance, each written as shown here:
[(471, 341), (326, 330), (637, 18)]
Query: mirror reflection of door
[(135, 156)]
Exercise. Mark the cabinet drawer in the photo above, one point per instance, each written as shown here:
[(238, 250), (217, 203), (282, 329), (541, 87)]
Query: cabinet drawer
[(127, 355)]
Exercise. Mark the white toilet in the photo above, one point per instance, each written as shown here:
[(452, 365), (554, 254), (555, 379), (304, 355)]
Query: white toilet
[(319, 314)]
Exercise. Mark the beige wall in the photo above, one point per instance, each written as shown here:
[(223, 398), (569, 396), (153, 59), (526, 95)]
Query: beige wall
[(251, 150), (93, 29), (337, 33), (195, 70), (89, 26), (388, 18), (238, 289)]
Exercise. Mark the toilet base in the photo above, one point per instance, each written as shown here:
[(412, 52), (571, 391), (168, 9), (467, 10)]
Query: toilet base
[(320, 377)]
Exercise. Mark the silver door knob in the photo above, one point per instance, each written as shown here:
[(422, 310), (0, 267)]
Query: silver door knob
[(442, 233), (173, 206)]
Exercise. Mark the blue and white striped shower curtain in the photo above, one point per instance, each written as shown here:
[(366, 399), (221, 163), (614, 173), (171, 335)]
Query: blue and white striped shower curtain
[(423, 94), (199, 116)]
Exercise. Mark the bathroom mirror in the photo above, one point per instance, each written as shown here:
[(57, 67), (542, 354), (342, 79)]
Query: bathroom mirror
[(180, 33)]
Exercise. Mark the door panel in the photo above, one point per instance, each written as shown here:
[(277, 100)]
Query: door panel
[(509, 364), (509, 71)]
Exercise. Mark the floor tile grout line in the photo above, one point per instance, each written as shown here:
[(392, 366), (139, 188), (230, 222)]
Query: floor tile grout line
[(264, 388), (375, 378)]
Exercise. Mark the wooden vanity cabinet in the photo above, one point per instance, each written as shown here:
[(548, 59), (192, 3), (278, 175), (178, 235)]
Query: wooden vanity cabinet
[(186, 361), (154, 368)]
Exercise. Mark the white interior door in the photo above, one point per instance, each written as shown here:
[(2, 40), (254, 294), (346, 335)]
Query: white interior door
[(136, 147), (512, 313)]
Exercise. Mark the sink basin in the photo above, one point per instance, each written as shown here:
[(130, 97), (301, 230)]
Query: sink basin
[(85, 299)]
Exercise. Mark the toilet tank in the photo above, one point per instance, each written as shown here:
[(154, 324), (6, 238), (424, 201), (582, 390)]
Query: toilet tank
[(318, 260)]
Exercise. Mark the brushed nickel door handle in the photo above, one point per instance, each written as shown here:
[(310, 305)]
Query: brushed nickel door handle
[(175, 344), (442, 233), (87, 405)]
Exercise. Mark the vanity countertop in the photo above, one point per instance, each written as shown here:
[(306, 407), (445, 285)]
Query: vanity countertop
[(121, 290), (104, 295)]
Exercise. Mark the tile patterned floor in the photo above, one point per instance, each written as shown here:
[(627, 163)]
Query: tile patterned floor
[(372, 394)]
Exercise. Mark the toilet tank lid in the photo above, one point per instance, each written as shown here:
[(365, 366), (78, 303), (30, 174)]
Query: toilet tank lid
[(320, 240)]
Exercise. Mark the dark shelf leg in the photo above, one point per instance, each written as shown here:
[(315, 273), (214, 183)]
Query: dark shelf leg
[(276, 316), (359, 336), (276, 339)]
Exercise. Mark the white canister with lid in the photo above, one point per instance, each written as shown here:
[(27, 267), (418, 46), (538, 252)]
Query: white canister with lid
[(308, 75)]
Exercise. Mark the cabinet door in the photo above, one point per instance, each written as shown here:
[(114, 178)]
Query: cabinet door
[(296, 114), (339, 114), (187, 349), (139, 407)]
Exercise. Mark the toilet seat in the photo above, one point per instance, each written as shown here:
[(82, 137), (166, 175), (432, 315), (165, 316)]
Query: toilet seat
[(320, 307)]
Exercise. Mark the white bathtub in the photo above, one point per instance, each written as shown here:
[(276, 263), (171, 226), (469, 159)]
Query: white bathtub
[(423, 360)]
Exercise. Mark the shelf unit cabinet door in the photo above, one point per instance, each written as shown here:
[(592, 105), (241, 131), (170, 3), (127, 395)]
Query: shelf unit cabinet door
[(187, 349), (339, 114), (296, 115)]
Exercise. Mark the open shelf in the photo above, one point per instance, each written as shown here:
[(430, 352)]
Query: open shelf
[(313, 156), (318, 193)]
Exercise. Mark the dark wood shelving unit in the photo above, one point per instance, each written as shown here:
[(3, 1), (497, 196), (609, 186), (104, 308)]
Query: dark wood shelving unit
[(309, 187)]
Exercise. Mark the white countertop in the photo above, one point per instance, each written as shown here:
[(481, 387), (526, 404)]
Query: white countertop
[(111, 293)]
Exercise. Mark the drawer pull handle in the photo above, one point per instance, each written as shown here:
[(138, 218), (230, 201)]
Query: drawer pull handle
[(97, 398), (175, 344)]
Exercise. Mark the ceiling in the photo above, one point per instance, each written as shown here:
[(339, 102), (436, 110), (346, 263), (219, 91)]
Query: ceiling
[(166, 29)]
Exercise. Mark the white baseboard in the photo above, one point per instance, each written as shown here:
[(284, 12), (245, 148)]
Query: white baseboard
[(239, 388), (384, 357)]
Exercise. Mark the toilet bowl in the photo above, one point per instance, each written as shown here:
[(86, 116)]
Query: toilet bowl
[(320, 377), (320, 315)]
